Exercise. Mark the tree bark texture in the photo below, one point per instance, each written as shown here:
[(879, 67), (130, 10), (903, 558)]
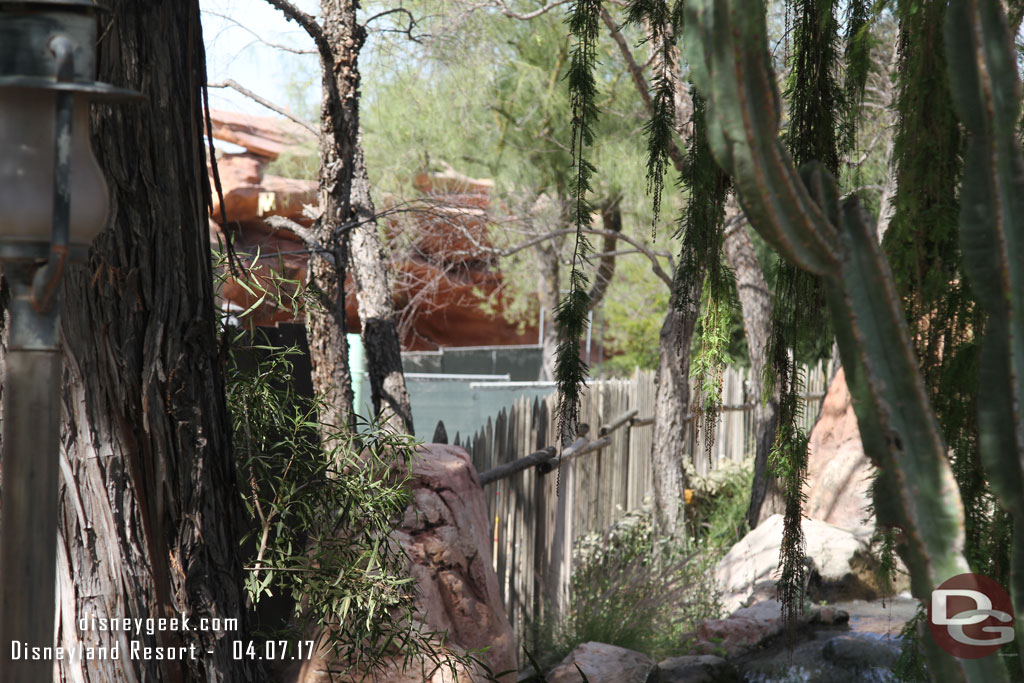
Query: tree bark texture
[(149, 514), (756, 305), (376, 311), (548, 259), (671, 413), (547, 292), (348, 214), (755, 299)]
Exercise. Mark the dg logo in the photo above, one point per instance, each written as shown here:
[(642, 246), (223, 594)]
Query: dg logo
[(971, 616)]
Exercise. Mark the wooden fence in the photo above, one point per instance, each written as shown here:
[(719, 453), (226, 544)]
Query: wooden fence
[(536, 518)]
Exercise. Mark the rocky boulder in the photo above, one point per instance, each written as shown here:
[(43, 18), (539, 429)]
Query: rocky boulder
[(603, 663), (850, 658), (839, 474), (749, 627), (445, 532), (842, 567)]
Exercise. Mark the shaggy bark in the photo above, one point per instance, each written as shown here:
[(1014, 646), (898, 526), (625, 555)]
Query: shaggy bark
[(671, 413), (548, 258), (344, 180), (547, 292), (149, 520), (756, 305), (347, 231)]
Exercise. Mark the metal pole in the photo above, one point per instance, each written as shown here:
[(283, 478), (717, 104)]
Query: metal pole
[(28, 515)]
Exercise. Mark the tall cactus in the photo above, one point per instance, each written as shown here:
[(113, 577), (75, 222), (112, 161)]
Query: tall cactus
[(803, 218), (987, 98)]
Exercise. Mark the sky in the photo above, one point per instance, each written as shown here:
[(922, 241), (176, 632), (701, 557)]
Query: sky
[(235, 33)]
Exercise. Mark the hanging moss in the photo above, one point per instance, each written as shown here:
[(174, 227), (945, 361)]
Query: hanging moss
[(923, 248), (571, 316), (857, 56), (815, 104), (701, 278)]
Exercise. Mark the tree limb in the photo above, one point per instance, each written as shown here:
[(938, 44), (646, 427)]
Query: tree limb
[(611, 217), (301, 231), (308, 24), (266, 103), (276, 46), (407, 30), (636, 73), (501, 6)]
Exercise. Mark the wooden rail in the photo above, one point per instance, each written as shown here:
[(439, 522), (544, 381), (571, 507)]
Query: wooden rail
[(537, 519), (547, 459)]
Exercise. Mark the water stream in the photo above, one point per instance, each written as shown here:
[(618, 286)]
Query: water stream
[(863, 650)]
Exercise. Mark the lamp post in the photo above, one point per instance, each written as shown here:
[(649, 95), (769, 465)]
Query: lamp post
[(53, 201)]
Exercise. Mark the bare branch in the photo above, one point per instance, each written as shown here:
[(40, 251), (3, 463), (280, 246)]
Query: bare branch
[(308, 24), (611, 218), (636, 72), (276, 46), (501, 6), (301, 231), (407, 30), (266, 103), (639, 246)]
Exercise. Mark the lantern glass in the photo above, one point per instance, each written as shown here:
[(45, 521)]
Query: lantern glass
[(27, 124)]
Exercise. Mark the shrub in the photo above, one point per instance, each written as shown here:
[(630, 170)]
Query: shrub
[(626, 592)]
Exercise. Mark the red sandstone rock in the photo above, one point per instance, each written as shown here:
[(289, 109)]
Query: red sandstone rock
[(443, 266), (838, 472), (243, 182), (267, 136), (445, 533)]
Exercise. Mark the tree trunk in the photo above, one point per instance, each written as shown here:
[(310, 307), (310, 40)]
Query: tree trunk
[(753, 292), (345, 194), (149, 514), (377, 311), (547, 292), (548, 253), (756, 305), (671, 413)]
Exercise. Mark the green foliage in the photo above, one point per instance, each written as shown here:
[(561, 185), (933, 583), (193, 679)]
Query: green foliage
[(622, 592), (320, 516), (911, 667), (717, 513), (708, 365), (988, 100), (857, 56), (788, 462), (803, 217), (634, 311), (701, 224), (815, 104), (662, 24), (813, 95), (571, 317)]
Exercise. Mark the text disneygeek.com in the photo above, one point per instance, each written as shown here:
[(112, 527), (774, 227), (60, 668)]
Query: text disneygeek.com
[(120, 643)]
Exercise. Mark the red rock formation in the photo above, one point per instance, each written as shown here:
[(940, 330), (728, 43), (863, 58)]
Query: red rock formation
[(263, 136), (839, 474), (445, 533), (444, 263)]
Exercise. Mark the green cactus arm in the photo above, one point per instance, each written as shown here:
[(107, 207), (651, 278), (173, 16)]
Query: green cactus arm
[(986, 94), (726, 45), (726, 41)]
